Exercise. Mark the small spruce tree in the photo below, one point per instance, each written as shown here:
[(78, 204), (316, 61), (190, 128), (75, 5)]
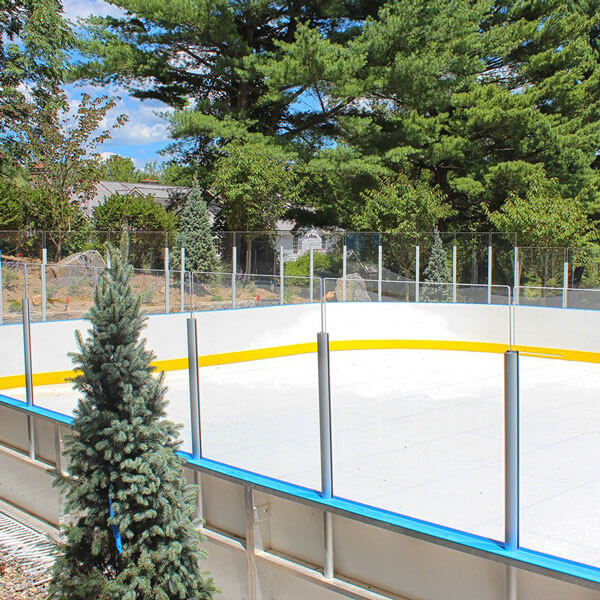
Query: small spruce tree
[(195, 235), (436, 272), (132, 535)]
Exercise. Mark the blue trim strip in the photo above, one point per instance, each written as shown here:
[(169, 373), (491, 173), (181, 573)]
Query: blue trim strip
[(421, 528), (36, 410)]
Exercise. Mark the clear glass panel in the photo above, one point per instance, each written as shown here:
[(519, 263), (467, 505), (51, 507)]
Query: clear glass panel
[(559, 429), (211, 291), (417, 401), (259, 403)]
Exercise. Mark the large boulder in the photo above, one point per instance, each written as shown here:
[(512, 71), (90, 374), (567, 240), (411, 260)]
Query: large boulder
[(88, 258), (356, 289)]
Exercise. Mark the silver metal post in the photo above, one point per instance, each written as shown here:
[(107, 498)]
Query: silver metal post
[(43, 274), (281, 281), (192, 338), (517, 277), (311, 275), (490, 274), (511, 450), (344, 274), (233, 275), (325, 438), (417, 271), (379, 271), (1, 293), (325, 413), (167, 283), (323, 291), (565, 284), (182, 280), (511, 583), (28, 373), (454, 274)]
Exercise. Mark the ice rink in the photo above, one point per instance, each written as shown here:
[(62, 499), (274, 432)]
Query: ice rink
[(418, 432)]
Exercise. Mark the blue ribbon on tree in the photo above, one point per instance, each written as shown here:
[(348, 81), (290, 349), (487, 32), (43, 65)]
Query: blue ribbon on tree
[(115, 529)]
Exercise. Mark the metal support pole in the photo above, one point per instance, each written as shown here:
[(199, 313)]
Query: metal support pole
[(281, 280), (511, 450), (43, 274), (199, 512), (417, 271), (379, 271), (167, 283), (344, 274), (517, 277), (454, 274), (182, 280), (1, 293), (490, 274), (311, 283), (28, 373), (192, 338), (511, 583), (233, 275), (565, 289), (250, 518), (325, 438)]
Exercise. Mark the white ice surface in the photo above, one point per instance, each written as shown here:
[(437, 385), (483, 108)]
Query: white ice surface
[(414, 431)]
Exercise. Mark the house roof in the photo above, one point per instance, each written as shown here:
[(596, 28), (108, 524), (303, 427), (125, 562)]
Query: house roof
[(162, 193)]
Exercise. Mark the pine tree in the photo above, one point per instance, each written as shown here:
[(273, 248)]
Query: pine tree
[(436, 272), (195, 236), (132, 535)]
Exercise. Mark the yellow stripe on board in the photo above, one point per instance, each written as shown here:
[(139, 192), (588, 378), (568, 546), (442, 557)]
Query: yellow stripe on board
[(226, 358)]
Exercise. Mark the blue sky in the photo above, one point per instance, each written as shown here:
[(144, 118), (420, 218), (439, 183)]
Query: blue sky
[(146, 132)]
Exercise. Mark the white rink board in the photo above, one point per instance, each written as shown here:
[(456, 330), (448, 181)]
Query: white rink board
[(418, 432)]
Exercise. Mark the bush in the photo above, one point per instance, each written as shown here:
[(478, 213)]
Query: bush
[(301, 266)]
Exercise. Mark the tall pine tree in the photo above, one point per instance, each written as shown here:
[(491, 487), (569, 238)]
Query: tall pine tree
[(132, 535), (436, 273), (195, 235)]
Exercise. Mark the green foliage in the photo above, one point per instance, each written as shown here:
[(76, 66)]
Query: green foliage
[(398, 204), (119, 168), (256, 184), (143, 217), (132, 213), (123, 451), (542, 217), (61, 168), (196, 236), (34, 40), (301, 266), (473, 98)]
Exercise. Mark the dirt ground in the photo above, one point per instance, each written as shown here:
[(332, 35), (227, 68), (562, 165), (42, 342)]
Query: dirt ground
[(69, 291), (15, 584)]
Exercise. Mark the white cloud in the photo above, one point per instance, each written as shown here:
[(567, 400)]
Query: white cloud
[(80, 9), (144, 128)]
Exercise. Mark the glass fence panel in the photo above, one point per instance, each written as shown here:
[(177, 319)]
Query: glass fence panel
[(211, 291), (259, 404), (70, 290), (417, 404), (559, 430)]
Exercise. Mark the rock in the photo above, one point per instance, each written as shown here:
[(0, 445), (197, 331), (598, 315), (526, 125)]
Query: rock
[(89, 258), (356, 289)]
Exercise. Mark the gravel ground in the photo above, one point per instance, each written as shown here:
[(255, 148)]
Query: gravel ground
[(15, 584)]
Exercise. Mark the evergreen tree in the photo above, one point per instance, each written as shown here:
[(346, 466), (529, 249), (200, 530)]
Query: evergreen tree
[(132, 535), (436, 272), (196, 236)]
